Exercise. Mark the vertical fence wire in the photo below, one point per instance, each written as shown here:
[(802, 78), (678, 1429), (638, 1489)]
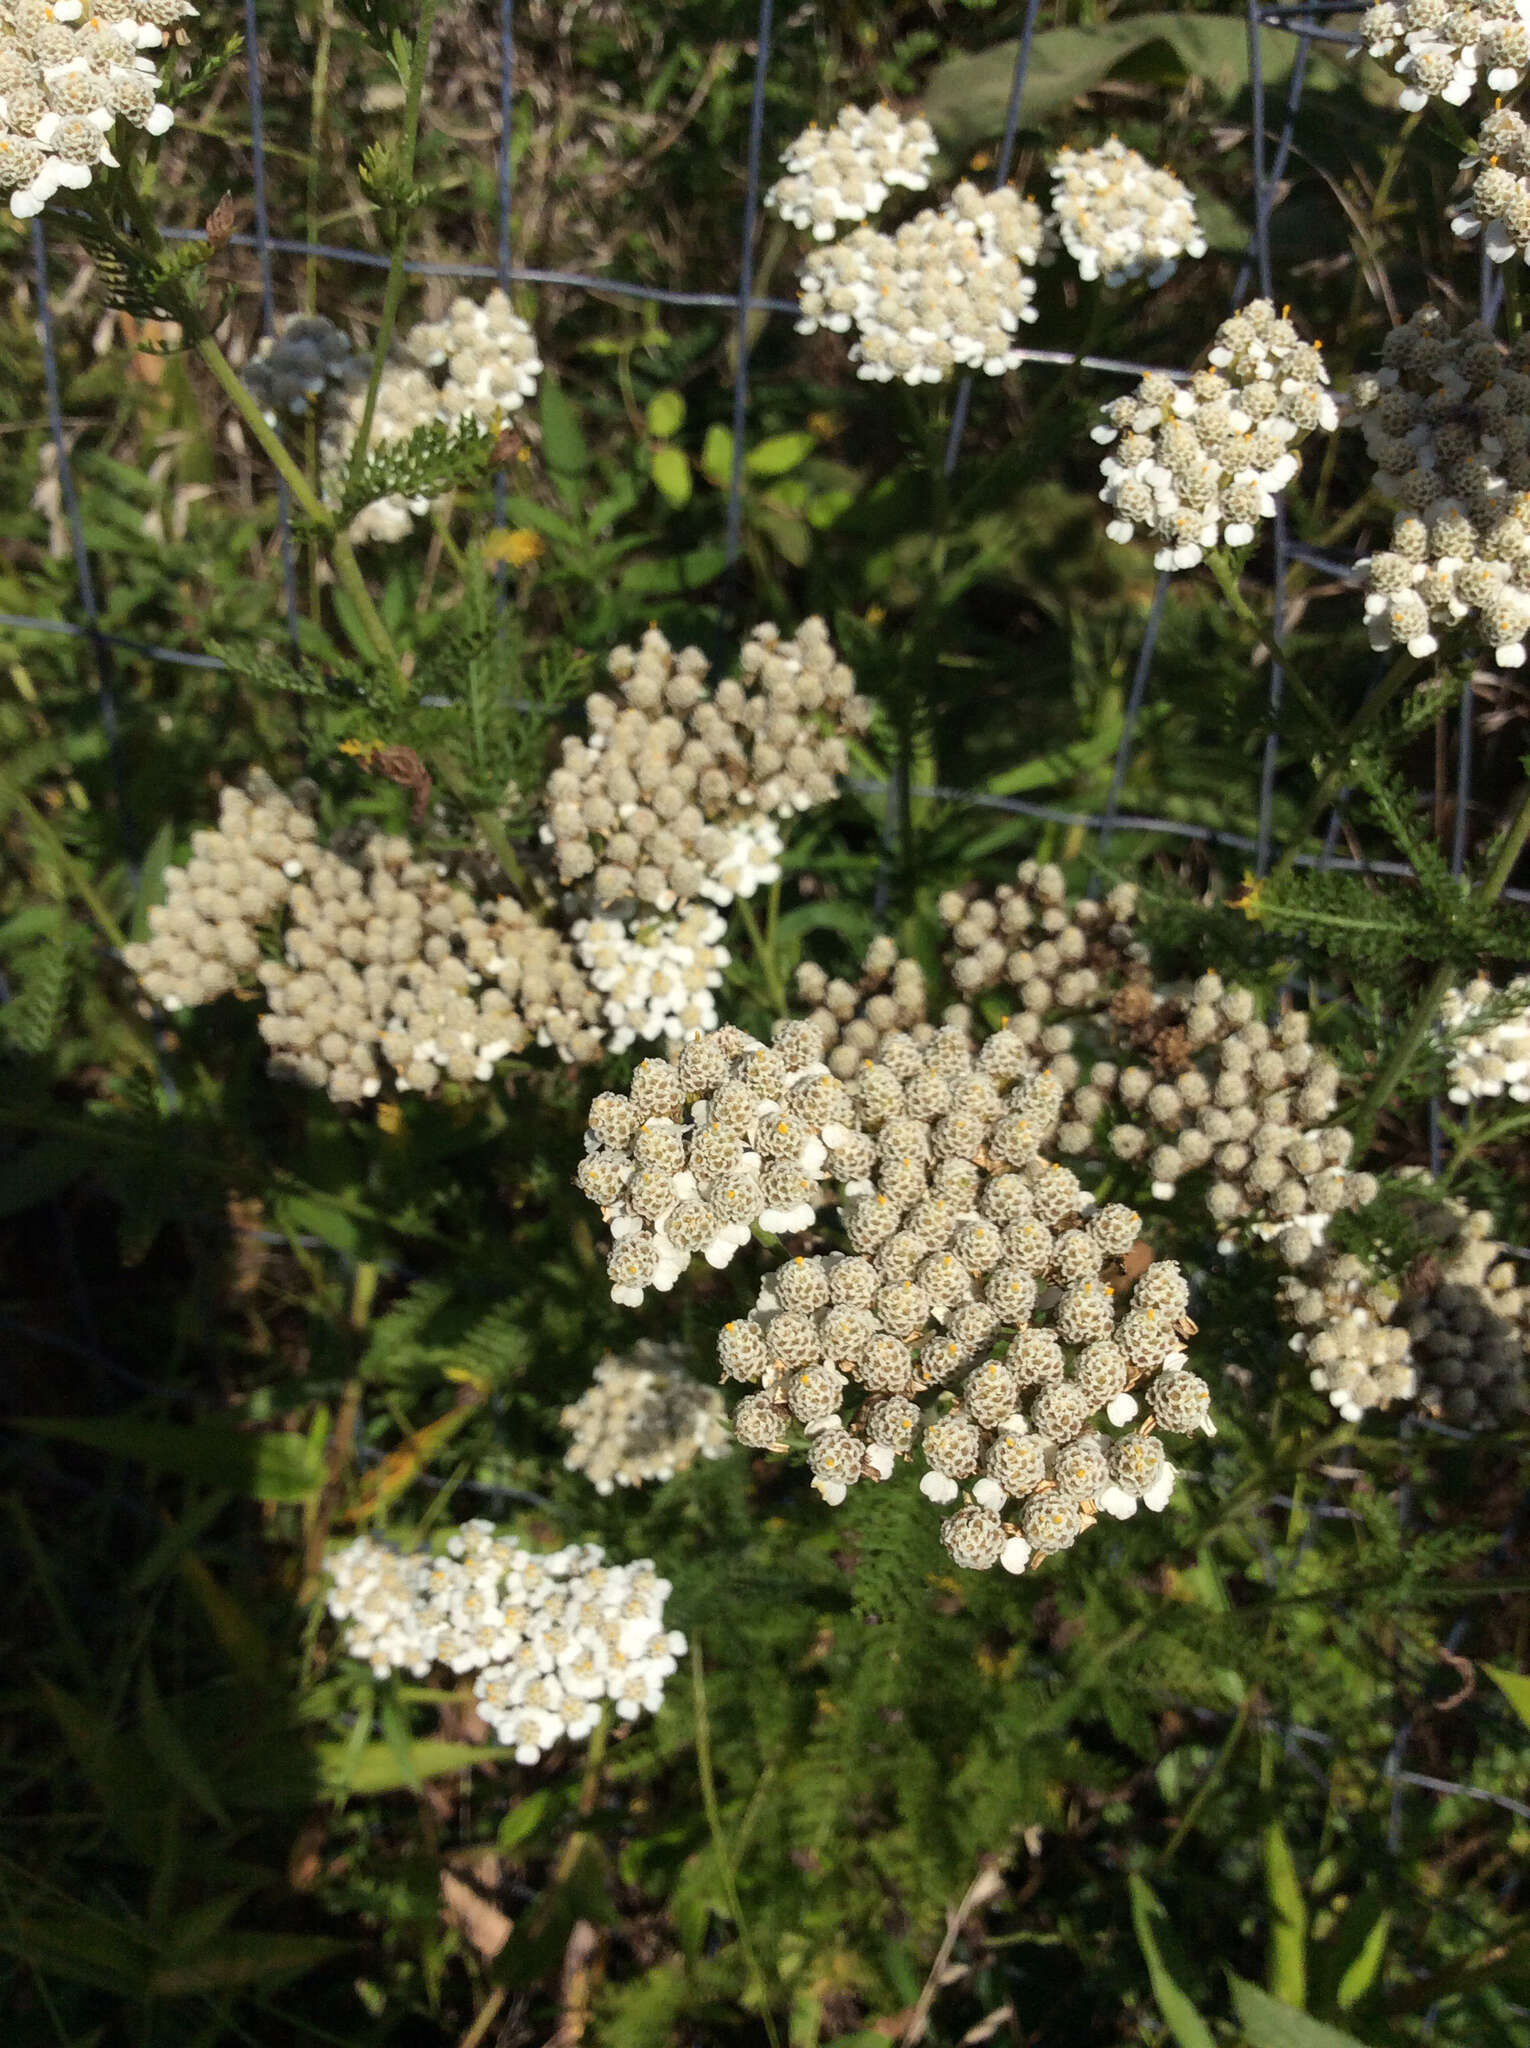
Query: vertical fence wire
[(735, 528), (1006, 158), (257, 107)]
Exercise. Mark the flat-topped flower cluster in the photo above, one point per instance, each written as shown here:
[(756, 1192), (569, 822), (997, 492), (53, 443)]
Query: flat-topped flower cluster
[(949, 289), (66, 79), (393, 967), (552, 1635)]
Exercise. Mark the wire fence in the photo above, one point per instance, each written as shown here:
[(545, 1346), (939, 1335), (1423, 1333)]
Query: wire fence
[(1311, 23)]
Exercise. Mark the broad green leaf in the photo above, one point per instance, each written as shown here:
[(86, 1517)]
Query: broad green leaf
[(1288, 1918), (688, 571), (1153, 1935), (1270, 2023), (524, 1818), (966, 99), (379, 1767), (717, 456), (672, 476), (778, 454), (150, 879), (321, 1219), (83, 1948), (244, 1959), (1358, 1946), (265, 1464), (665, 415), (563, 446), (1515, 1687), (167, 1744)]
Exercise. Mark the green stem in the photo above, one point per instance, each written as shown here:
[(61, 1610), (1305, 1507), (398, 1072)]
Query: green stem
[(1402, 671), (266, 437), (394, 290), (770, 973), (720, 1841), (1222, 569), (1202, 1791), (1401, 1057)]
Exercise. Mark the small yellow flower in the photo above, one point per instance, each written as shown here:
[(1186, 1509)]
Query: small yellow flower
[(875, 614), (981, 161), (390, 1119), (515, 545), (823, 426), (360, 750), (1248, 899)]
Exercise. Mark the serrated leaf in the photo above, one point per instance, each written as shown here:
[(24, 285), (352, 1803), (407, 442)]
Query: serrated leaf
[(672, 476), (1270, 2023), (665, 415), (779, 453), (270, 1465), (1154, 1936)]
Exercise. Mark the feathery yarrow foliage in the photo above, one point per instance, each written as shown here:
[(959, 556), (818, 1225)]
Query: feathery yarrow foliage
[(551, 1635), (643, 1420), (66, 79)]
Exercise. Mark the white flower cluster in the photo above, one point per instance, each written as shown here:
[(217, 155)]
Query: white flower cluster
[(1120, 217), (977, 1266), (1447, 51), (490, 358), (734, 1133), (310, 361), (1447, 422), (946, 292), (551, 1635), (845, 173), (66, 78), (1357, 1354), (672, 795), (644, 1419), (855, 1017), (1454, 1336), (202, 937), (1054, 955), (656, 976), (489, 354), (1488, 1059), (1499, 200), (1201, 465)]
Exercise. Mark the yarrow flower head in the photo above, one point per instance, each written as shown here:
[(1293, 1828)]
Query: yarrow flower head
[(983, 1315), (890, 999), (1120, 217), (948, 291), (845, 173), (644, 1419), (1445, 52), (1200, 465), (388, 967), (1498, 204), (550, 1635), (674, 793), (491, 365), (734, 1133), (656, 977), (1447, 422), (66, 79), (1487, 1033)]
